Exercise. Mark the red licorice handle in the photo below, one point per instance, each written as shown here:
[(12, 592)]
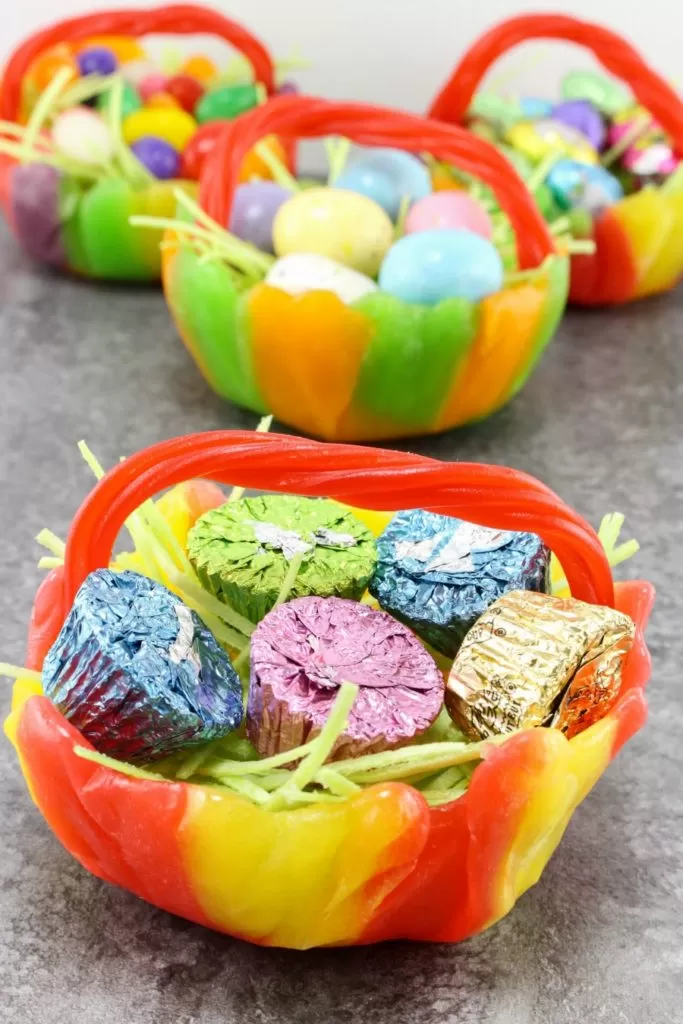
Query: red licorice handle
[(613, 52), (176, 19), (305, 117), (371, 478)]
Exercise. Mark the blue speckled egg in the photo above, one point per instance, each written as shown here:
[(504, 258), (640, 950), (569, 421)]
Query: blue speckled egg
[(431, 266), (580, 186), (409, 176), (535, 106)]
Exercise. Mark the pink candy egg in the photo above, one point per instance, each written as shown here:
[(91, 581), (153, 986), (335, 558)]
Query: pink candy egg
[(151, 84), (453, 210)]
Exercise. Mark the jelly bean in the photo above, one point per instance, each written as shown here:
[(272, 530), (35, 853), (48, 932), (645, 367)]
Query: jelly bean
[(162, 101), (160, 158), (287, 89), (186, 90), (534, 106), (97, 61), (130, 100), (154, 82), (199, 67), (136, 71), (584, 117), (175, 126), (608, 96), (409, 175), (537, 139), (45, 67), (253, 212), (449, 210), (344, 226), (302, 272), (374, 184), (578, 186), (226, 102), (431, 266), (81, 134)]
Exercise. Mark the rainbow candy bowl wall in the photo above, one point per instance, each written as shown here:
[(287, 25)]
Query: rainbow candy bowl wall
[(379, 865)]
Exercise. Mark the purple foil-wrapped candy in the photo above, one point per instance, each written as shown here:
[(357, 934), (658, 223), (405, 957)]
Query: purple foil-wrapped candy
[(582, 115), (303, 651)]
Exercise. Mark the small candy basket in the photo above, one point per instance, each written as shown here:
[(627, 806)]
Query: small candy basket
[(361, 330), (318, 844), (606, 155), (93, 132)]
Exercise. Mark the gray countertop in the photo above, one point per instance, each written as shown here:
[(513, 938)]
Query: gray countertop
[(599, 939)]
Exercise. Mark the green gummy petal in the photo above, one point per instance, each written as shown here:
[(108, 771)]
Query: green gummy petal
[(413, 357), (109, 244)]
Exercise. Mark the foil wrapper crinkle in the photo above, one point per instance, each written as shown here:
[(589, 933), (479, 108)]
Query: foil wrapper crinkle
[(304, 650), (242, 551), (439, 574), (138, 673), (532, 659)]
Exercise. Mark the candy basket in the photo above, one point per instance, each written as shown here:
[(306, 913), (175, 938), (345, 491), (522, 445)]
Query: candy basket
[(377, 367), (81, 224), (380, 864), (639, 239)]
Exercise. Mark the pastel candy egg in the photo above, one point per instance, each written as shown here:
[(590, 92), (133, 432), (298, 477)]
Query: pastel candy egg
[(584, 117), (253, 212), (160, 158), (98, 60), (152, 83), (534, 106), (302, 272), (537, 139), (431, 266), (609, 96), (343, 226), (226, 102), (376, 185), (81, 134), (578, 186), (408, 174), (173, 125), (490, 106), (455, 210)]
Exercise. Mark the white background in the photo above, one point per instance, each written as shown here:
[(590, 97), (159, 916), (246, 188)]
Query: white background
[(397, 52)]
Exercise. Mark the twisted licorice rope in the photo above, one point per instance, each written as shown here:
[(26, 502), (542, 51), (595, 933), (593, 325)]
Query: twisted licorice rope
[(305, 117), (365, 477), (613, 52), (176, 19)]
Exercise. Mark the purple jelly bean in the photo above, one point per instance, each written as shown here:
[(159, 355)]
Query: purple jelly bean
[(97, 60), (583, 116), (288, 89), (34, 197), (253, 212), (158, 156)]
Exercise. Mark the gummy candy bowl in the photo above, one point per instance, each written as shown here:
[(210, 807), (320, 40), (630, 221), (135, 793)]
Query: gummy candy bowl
[(93, 131), (362, 361), (321, 860), (610, 158)]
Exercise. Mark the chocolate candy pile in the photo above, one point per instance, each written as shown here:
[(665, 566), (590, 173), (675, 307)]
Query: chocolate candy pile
[(142, 677)]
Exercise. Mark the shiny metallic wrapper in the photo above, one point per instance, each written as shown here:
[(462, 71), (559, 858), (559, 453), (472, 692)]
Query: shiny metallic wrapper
[(304, 650), (438, 574), (525, 652), (138, 673), (242, 551)]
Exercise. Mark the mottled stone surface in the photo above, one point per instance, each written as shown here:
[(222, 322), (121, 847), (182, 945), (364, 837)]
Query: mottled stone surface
[(599, 939)]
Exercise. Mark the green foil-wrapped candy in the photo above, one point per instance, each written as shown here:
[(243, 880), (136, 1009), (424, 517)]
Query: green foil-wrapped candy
[(243, 550)]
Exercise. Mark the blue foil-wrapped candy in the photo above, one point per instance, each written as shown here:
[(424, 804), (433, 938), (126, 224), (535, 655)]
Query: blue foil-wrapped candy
[(438, 574), (138, 673)]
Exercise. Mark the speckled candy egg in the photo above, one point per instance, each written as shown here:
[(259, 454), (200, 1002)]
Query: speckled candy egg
[(456, 210), (344, 226), (81, 134), (302, 272), (253, 212), (387, 175), (431, 266), (582, 115)]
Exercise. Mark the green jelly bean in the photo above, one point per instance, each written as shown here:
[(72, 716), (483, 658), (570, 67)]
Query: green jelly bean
[(130, 100), (214, 319), (413, 357), (226, 103)]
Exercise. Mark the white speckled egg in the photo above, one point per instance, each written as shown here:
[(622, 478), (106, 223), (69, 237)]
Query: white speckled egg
[(302, 272)]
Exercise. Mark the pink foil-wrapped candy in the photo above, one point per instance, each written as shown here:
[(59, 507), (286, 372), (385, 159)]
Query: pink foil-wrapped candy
[(303, 651)]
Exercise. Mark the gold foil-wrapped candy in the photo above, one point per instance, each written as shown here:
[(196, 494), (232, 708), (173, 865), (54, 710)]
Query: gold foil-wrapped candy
[(532, 659)]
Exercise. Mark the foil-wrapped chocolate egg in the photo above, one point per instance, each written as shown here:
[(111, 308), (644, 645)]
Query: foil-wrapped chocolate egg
[(304, 650), (538, 139), (581, 187), (138, 673), (438, 574)]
